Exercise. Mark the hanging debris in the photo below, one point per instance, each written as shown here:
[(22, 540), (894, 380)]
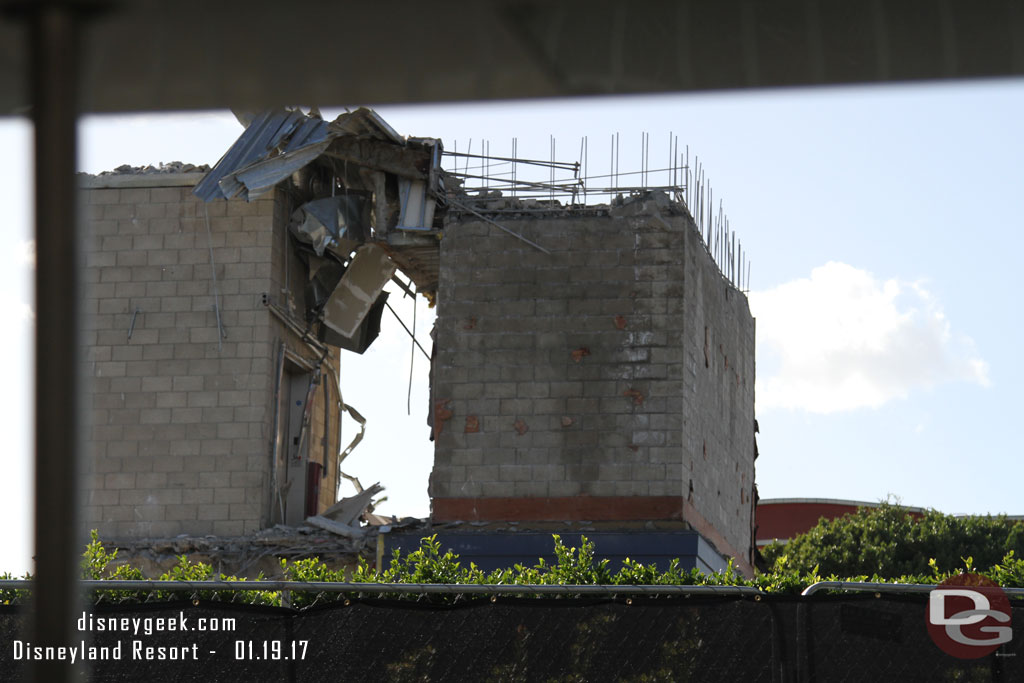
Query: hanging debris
[(366, 203)]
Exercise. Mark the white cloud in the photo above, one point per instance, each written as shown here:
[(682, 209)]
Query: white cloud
[(26, 254), (17, 310), (846, 340), (24, 312)]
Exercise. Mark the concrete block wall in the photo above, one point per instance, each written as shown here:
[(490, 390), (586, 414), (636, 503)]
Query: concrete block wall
[(610, 380), (180, 420)]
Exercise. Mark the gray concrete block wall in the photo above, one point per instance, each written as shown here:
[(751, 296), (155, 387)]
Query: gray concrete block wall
[(582, 373), (180, 419), (718, 404)]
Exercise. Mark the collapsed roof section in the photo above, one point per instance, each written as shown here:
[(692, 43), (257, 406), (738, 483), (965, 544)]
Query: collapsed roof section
[(366, 203)]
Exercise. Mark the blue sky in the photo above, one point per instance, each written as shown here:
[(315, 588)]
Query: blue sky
[(884, 227)]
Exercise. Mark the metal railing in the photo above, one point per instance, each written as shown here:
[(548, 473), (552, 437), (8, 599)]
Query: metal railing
[(869, 587), (380, 588), (184, 586)]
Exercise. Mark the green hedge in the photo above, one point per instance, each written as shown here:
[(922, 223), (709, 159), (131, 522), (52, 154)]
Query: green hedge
[(891, 541), (429, 565)]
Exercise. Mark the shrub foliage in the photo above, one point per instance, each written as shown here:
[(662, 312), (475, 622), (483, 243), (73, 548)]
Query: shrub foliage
[(572, 566), (891, 541)]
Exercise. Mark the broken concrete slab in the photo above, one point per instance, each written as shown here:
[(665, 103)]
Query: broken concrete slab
[(344, 530), (348, 510)]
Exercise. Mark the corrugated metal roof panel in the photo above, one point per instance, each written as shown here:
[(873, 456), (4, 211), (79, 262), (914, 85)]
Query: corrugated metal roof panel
[(262, 136), (312, 130), (260, 177), (279, 142)]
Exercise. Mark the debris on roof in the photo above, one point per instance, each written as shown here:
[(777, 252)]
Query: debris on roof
[(247, 555), (169, 167), (339, 536), (343, 530)]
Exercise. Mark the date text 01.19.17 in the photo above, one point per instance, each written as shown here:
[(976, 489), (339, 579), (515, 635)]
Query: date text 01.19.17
[(252, 650)]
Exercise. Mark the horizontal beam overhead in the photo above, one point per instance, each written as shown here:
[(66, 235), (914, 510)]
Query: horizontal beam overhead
[(190, 54)]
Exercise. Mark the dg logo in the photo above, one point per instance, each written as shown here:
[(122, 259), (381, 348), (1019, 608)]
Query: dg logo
[(969, 616)]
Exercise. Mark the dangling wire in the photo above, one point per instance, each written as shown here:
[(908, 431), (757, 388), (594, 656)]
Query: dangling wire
[(412, 358), (221, 333)]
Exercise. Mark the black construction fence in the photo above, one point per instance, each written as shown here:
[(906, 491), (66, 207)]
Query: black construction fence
[(831, 637)]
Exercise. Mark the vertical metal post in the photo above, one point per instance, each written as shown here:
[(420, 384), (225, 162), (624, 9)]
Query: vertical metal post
[(515, 150), (57, 537), (551, 188), (616, 161)]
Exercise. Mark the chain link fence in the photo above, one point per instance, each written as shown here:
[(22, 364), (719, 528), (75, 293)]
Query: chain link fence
[(597, 633)]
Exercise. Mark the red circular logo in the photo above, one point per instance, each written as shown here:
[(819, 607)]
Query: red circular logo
[(969, 616)]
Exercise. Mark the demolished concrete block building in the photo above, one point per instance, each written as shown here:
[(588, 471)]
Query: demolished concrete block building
[(608, 382), (593, 369), (215, 322)]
